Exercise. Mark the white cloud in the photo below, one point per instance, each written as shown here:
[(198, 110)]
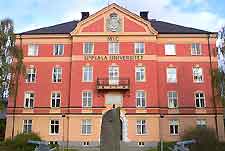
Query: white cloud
[(50, 12)]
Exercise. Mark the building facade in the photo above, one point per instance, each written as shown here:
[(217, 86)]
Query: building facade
[(157, 72)]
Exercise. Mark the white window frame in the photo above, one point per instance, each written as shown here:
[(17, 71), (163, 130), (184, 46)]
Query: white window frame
[(55, 98), (139, 48), (32, 51), (168, 75), (89, 71), (58, 71), (140, 70), (197, 75), (174, 124), (201, 123), (88, 44), (113, 46), (170, 49), (172, 97), (57, 49), (54, 124), (33, 73), (85, 125), (143, 125), (199, 99), (194, 51), (86, 98), (114, 74), (26, 124), (30, 105), (142, 99)]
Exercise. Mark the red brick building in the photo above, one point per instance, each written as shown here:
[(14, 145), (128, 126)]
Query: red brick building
[(157, 72)]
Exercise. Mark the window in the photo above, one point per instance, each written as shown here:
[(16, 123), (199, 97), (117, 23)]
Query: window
[(27, 126), (88, 48), (114, 75), (85, 144), (197, 74), (86, 127), (114, 48), (140, 74), (170, 49), (86, 98), (32, 50), (171, 75), (58, 50), (174, 127), (31, 75), (139, 48), (87, 73), (172, 99), (54, 127), (57, 74), (29, 100), (196, 49), (141, 127), (140, 98), (200, 100), (141, 144), (55, 99), (201, 124)]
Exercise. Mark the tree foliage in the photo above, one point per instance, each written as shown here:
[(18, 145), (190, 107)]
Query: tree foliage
[(19, 143), (11, 60), (206, 139), (218, 77)]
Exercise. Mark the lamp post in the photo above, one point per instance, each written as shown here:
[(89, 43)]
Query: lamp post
[(160, 132), (63, 116)]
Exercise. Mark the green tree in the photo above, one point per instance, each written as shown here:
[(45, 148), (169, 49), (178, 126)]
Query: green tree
[(206, 139), (219, 84), (11, 63)]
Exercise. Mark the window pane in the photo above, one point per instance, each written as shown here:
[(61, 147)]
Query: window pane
[(170, 49), (171, 75)]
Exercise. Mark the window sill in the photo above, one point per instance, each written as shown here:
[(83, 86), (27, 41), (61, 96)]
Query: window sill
[(198, 82), (146, 134), (54, 134), (174, 134)]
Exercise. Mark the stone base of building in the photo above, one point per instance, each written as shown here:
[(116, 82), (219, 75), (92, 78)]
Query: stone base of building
[(95, 146)]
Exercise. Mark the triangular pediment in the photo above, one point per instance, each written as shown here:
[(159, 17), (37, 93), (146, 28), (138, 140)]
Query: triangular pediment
[(114, 19)]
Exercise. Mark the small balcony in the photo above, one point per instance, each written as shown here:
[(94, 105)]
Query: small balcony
[(113, 84)]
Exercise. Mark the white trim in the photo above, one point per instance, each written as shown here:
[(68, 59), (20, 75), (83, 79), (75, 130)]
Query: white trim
[(59, 102), (53, 51), (92, 95), (199, 91), (135, 46), (54, 134), (93, 48)]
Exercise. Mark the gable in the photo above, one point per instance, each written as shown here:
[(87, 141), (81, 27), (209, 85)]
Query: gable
[(114, 20)]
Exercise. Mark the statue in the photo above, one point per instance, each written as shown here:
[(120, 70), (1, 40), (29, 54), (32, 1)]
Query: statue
[(110, 131)]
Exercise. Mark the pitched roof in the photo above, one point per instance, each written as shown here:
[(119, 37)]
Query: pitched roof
[(169, 28), (64, 28)]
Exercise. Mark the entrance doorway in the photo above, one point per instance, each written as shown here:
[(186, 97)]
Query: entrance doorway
[(121, 130)]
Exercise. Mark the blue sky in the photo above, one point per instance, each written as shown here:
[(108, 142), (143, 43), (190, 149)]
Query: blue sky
[(31, 14)]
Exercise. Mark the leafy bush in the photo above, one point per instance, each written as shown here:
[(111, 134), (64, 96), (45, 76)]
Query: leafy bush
[(206, 139), (19, 143)]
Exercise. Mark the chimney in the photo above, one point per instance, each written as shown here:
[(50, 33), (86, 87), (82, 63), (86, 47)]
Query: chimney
[(144, 15), (84, 15)]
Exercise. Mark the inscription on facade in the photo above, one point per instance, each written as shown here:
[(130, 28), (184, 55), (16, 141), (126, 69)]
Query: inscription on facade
[(112, 57)]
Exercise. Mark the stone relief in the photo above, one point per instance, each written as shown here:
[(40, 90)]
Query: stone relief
[(113, 23)]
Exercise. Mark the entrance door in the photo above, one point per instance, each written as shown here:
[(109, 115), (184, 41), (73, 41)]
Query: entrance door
[(113, 75), (121, 130)]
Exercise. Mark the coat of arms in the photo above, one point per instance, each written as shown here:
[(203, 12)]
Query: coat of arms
[(113, 23)]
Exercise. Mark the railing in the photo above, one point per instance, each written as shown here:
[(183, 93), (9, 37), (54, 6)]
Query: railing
[(115, 83)]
